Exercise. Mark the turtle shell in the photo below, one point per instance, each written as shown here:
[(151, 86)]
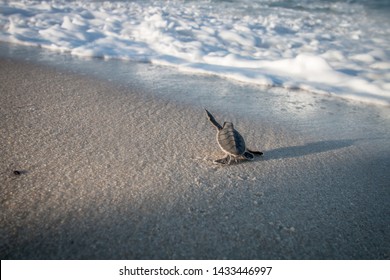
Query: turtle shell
[(230, 140)]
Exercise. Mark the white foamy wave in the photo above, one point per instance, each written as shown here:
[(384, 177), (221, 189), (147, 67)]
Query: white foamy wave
[(322, 47)]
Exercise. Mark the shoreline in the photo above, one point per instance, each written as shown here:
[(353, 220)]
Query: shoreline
[(109, 172), (258, 43)]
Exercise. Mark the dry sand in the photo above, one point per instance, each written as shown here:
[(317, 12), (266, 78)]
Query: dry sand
[(108, 172)]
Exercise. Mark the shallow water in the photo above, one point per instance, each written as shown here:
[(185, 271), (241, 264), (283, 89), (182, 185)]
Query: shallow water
[(337, 47), (314, 115)]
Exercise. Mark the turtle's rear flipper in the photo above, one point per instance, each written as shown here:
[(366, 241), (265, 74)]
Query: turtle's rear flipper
[(248, 155), (225, 160), (258, 153)]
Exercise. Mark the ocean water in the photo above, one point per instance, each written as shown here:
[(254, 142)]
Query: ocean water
[(336, 47)]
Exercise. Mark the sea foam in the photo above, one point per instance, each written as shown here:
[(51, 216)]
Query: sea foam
[(322, 47)]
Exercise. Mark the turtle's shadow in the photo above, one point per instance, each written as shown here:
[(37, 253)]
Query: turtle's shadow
[(298, 151), (306, 149)]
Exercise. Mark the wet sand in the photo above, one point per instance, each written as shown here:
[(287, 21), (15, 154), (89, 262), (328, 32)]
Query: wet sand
[(108, 172)]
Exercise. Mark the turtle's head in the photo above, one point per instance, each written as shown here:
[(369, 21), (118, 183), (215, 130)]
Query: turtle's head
[(227, 125)]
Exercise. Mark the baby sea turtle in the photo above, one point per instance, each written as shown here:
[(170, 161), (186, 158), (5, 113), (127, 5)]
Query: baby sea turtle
[(231, 142)]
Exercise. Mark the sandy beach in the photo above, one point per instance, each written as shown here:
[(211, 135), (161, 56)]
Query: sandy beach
[(109, 172)]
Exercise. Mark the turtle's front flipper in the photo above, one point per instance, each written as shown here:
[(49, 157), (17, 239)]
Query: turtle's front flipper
[(258, 153), (213, 121), (225, 160)]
